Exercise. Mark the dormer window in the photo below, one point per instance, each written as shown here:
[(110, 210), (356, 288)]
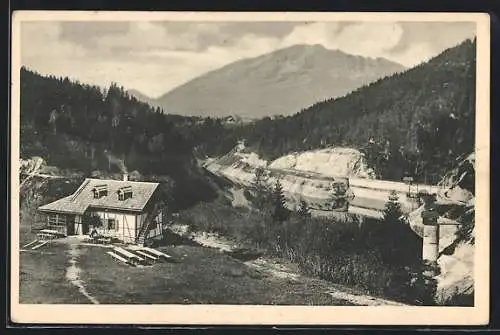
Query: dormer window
[(124, 193), (100, 191)]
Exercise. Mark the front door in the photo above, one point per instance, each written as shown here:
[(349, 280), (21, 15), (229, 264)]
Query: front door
[(70, 225)]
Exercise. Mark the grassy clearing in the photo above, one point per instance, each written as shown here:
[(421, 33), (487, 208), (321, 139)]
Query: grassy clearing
[(42, 277), (203, 276)]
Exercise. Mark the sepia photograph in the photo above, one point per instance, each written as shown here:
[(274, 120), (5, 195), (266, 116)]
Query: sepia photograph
[(297, 168)]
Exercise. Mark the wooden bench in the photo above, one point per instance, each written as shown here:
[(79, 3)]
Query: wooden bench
[(153, 258), (120, 258), (46, 236), (128, 255), (51, 231), (103, 240), (30, 244), (100, 239), (157, 253), (41, 244)]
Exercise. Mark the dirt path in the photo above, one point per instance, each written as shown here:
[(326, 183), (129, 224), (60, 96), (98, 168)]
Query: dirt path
[(278, 269), (73, 272)]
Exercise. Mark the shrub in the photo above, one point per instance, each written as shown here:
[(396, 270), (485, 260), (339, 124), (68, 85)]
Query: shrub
[(303, 210)]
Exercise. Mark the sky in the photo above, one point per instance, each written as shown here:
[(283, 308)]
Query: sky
[(157, 56)]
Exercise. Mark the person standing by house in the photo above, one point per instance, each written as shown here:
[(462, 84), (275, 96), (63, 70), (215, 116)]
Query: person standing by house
[(93, 233)]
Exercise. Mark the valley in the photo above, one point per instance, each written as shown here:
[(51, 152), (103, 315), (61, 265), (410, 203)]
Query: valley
[(268, 187)]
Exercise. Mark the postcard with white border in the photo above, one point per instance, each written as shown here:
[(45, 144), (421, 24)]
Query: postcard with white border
[(208, 168)]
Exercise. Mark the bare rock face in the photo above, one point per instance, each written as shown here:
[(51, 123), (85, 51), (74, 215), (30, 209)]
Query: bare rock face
[(457, 277), (332, 162), (459, 183), (304, 176)]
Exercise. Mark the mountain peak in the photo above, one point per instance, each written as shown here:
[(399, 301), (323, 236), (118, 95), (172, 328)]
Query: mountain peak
[(278, 83), (306, 49), (307, 46)]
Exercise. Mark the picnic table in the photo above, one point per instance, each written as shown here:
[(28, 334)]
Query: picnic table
[(46, 236), (99, 239), (131, 257), (103, 240)]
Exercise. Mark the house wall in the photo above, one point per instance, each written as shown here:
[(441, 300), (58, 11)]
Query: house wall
[(125, 225), (158, 230), (58, 222), (78, 225), (153, 232)]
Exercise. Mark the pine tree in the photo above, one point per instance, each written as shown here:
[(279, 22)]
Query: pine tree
[(303, 209), (399, 244), (260, 193), (392, 211), (338, 196), (280, 212)]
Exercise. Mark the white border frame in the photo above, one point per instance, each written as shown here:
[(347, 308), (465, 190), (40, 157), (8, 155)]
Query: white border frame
[(265, 315)]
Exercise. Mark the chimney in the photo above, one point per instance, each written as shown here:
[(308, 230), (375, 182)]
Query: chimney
[(125, 177)]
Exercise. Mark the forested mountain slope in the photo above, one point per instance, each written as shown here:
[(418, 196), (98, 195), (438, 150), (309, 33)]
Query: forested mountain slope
[(77, 126)]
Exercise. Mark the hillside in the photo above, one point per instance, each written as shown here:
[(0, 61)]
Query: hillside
[(74, 126), (142, 97), (420, 120), (279, 83)]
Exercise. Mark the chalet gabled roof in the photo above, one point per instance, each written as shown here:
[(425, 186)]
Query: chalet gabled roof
[(83, 198)]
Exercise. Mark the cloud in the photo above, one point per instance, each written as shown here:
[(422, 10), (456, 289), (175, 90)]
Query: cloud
[(146, 36), (408, 43), (423, 40), (41, 41), (369, 39), (155, 57), (172, 36), (313, 33), (413, 54)]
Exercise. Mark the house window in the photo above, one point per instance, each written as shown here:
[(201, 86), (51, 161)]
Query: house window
[(125, 193), (124, 196), (57, 220), (112, 224), (100, 191)]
